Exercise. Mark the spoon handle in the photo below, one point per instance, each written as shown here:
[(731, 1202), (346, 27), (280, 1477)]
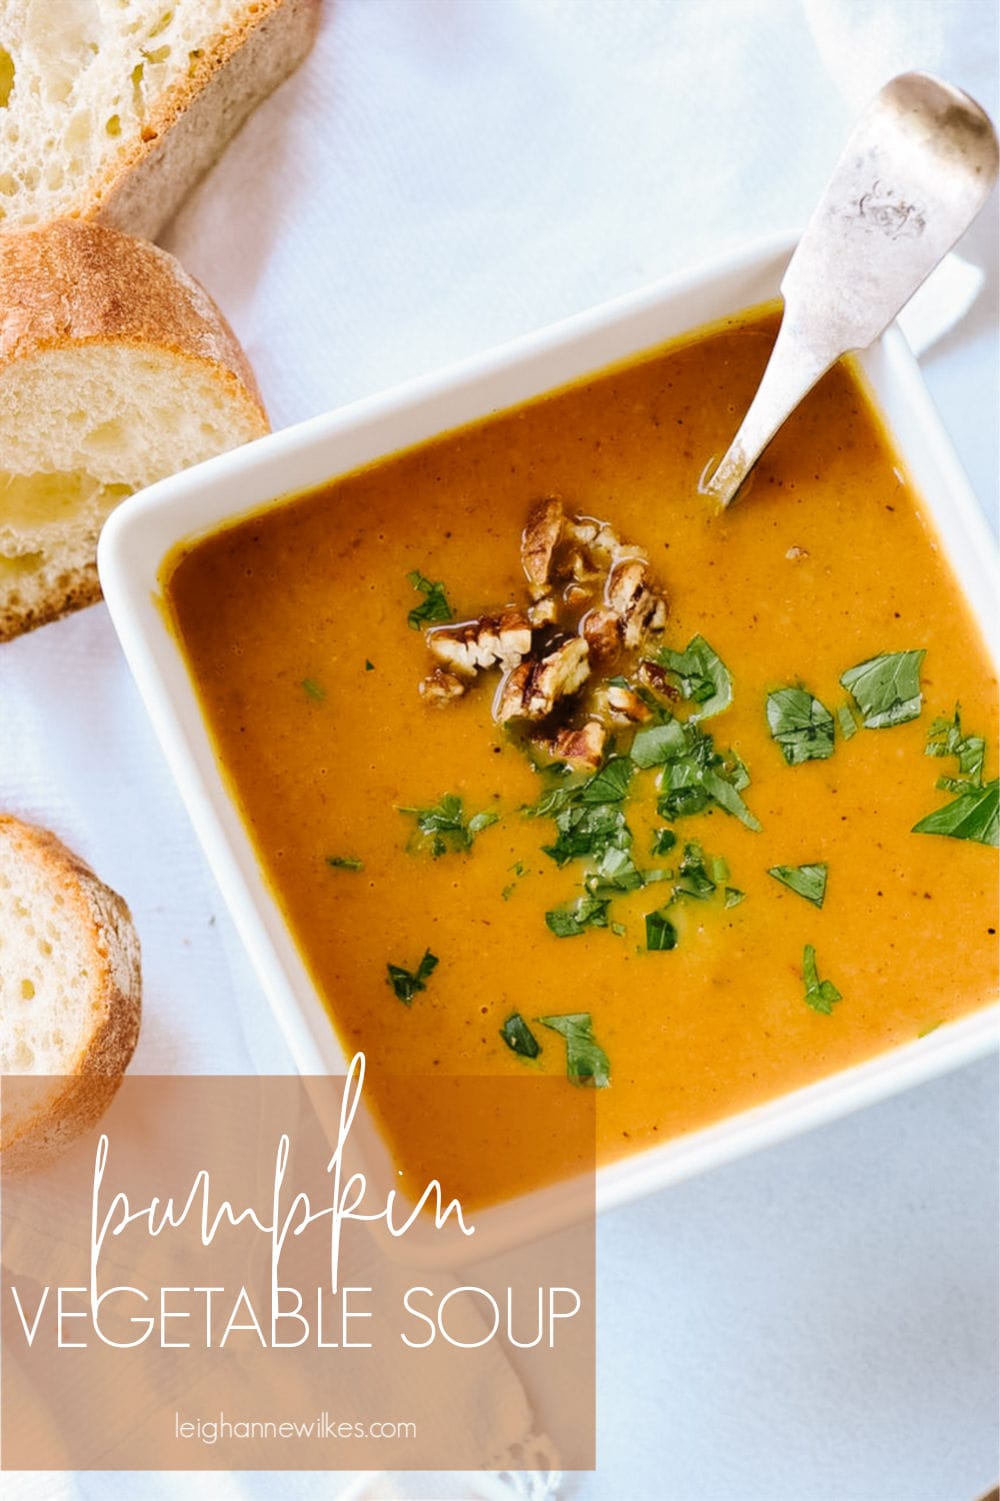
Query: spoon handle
[(916, 169)]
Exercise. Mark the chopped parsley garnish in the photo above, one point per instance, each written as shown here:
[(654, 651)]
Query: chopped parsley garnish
[(434, 608), (701, 676), (974, 814), (734, 896), (801, 725), (586, 1060), (660, 931), (808, 881), (664, 841), (408, 983), (693, 878), (444, 828), (519, 1037), (313, 690), (519, 870), (617, 871), (886, 689), (588, 831), (345, 862), (945, 738), (694, 773), (576, 917), (369, 666), (610, 783), (821, 995), (846, 720)]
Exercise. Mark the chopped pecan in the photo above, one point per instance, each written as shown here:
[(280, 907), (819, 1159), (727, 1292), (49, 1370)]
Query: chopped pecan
[(640, 611), (531, 690), (624, 705), (583, 747), (542, 531), (441, 687), (602, 632), (475, 644), (652, 675), (544, 611)]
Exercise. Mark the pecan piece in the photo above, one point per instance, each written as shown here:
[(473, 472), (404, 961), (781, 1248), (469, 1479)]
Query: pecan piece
[(542, 531), (583, 747), (465, 649), (531, 690), (601, 629), (440, 687), (640, 611)]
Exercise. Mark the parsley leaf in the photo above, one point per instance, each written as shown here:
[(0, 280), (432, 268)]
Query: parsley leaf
[(734, 896), (408, 983), (701, 675), (519, 1037), (974, 814), (808, 881), (586, 1060), (694, 772), (886, 689), (617, 871), (576, 917), (610, 783), (945, 738), (846, 720), (821, 995), (588, 831), (445, 828), (693, 879), (660, 931), (663, 841), (345, 862), (800, 724), (313, 690), (433, 608)]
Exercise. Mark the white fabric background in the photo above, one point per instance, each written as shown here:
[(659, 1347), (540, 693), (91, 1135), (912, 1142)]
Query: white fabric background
[(817, 1323)]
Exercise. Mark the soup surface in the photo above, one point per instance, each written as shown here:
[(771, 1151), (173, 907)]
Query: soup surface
[(686, 962)]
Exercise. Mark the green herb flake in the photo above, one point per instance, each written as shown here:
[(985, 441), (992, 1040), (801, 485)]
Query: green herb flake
[(701, 675), (619, 929), (974, 815), (659, 743), (886, 689), (345, 862), (664, 841), (610, 783), (369, 666), (846, 720), (586, 1060), (808, 881), (617, 871), (693, 879), (945, 738), (661, 934), (313, 690), (734, 896), (519, 1037), (801, 725), (408, 983), (434, 608), (694, 773), (821, 995), (576, 917), (444, 828)]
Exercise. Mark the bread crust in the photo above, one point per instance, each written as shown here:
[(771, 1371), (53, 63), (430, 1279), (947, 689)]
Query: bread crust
[(142, 189), (73, 283), (67, 1106)]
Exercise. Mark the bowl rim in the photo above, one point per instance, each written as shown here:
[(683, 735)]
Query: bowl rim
[(142, 533)]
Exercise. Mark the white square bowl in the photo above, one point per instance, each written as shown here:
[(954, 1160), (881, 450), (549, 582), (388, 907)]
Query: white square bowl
[(143, 531)]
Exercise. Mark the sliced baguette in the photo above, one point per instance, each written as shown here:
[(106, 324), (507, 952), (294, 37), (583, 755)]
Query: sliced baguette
[(116, 369), (113, 109), (69, 994)]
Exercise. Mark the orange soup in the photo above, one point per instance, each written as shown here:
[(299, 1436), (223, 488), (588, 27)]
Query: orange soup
[(552, 768)]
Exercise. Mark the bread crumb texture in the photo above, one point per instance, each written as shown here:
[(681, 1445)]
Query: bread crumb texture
[(116, 369), (89, 89), (70, 992)]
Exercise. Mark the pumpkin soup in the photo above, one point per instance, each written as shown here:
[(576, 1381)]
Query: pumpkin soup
[(553, 768)]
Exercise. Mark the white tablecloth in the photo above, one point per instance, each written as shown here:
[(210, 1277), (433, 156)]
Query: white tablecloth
[(817, 1323)]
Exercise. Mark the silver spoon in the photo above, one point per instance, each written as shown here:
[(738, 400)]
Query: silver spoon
[(916, 170)]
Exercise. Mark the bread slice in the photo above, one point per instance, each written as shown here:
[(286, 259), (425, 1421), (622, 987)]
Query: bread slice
[(116, 368), (113, 109), (69, 994)]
